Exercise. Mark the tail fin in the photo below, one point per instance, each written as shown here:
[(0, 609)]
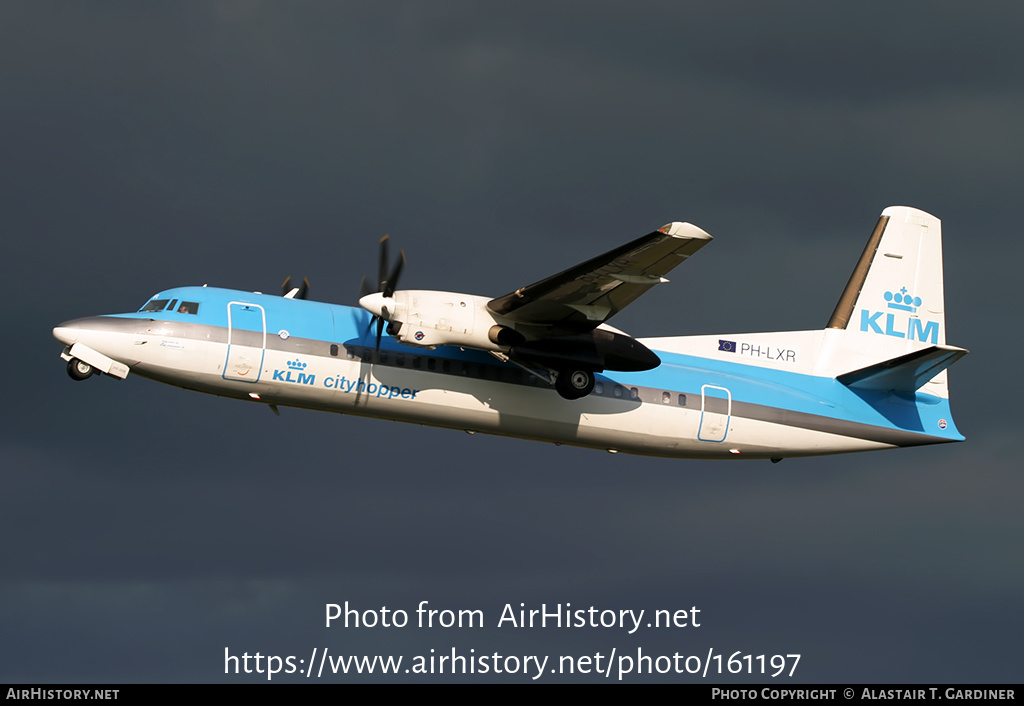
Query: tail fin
[(896, 288), (892, 310)]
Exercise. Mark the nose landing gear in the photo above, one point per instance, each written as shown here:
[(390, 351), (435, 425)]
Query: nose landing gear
[(79, 369)]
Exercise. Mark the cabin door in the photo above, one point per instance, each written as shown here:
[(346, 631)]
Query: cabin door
[(715, 413), (247, 342)]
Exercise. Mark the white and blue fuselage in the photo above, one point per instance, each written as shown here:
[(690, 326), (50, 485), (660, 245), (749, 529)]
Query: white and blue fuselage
[(764, 395)]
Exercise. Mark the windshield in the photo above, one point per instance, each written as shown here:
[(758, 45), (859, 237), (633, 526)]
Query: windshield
[(175, 306), (155, 305)]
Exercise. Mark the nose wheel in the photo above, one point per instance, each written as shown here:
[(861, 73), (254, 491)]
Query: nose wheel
[(572, 384), (79, 369)]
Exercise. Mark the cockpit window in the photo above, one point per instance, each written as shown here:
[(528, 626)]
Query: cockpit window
[(188, 308), (155, 305)]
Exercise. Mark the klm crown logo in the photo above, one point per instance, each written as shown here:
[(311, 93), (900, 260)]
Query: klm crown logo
[(300, 378), (903, 301), (898, 325)]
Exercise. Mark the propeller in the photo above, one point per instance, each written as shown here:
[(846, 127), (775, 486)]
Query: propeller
[(376, 300), (290, 292)]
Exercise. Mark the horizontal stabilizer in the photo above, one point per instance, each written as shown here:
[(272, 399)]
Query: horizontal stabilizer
[(905, 373)]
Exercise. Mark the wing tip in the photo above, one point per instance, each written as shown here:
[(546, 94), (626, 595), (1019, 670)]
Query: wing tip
[(679, 229)]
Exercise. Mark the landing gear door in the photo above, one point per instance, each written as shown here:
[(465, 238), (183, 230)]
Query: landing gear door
[(715, 413), (247, 342)]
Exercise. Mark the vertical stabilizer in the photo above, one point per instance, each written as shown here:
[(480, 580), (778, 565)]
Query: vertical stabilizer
[(893, 304), (896, 288)]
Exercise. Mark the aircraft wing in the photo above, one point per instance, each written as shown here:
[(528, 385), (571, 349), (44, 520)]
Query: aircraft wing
[(585, 296)]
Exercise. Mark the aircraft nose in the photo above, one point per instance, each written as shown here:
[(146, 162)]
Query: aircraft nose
[(68, 332)]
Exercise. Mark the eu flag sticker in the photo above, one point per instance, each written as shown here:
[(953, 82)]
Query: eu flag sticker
[(727, 346)]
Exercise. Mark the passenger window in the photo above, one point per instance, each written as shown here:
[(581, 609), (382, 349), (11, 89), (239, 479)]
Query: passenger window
[(619, 390), (598, 388), (634, 393), (682, 400), (431, 364), (400, 360), (334, 349), (666, 398)]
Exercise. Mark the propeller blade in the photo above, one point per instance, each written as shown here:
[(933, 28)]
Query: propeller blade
[(387, 281), (382, 265), (290, 292), (364, 288), (389, 288)]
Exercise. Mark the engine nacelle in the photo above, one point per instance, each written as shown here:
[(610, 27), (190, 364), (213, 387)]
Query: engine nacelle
[(430, 318)]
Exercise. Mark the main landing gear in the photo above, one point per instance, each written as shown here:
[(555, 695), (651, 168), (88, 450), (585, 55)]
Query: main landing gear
[(574, 383), (79, 369)]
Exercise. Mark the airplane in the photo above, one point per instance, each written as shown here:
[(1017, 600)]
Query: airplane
[(542, 363)]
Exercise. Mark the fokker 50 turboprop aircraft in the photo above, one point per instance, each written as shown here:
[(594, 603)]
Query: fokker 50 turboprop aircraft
[(542, 363)]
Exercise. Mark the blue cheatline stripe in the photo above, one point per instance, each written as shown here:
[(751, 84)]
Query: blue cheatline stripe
[(803, 396)]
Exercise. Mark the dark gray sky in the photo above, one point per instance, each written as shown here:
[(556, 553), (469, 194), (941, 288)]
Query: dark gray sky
[(146, 146)]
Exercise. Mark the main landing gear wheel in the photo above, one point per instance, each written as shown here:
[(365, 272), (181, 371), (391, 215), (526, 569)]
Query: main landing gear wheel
[(572, 384), (79, 369)]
